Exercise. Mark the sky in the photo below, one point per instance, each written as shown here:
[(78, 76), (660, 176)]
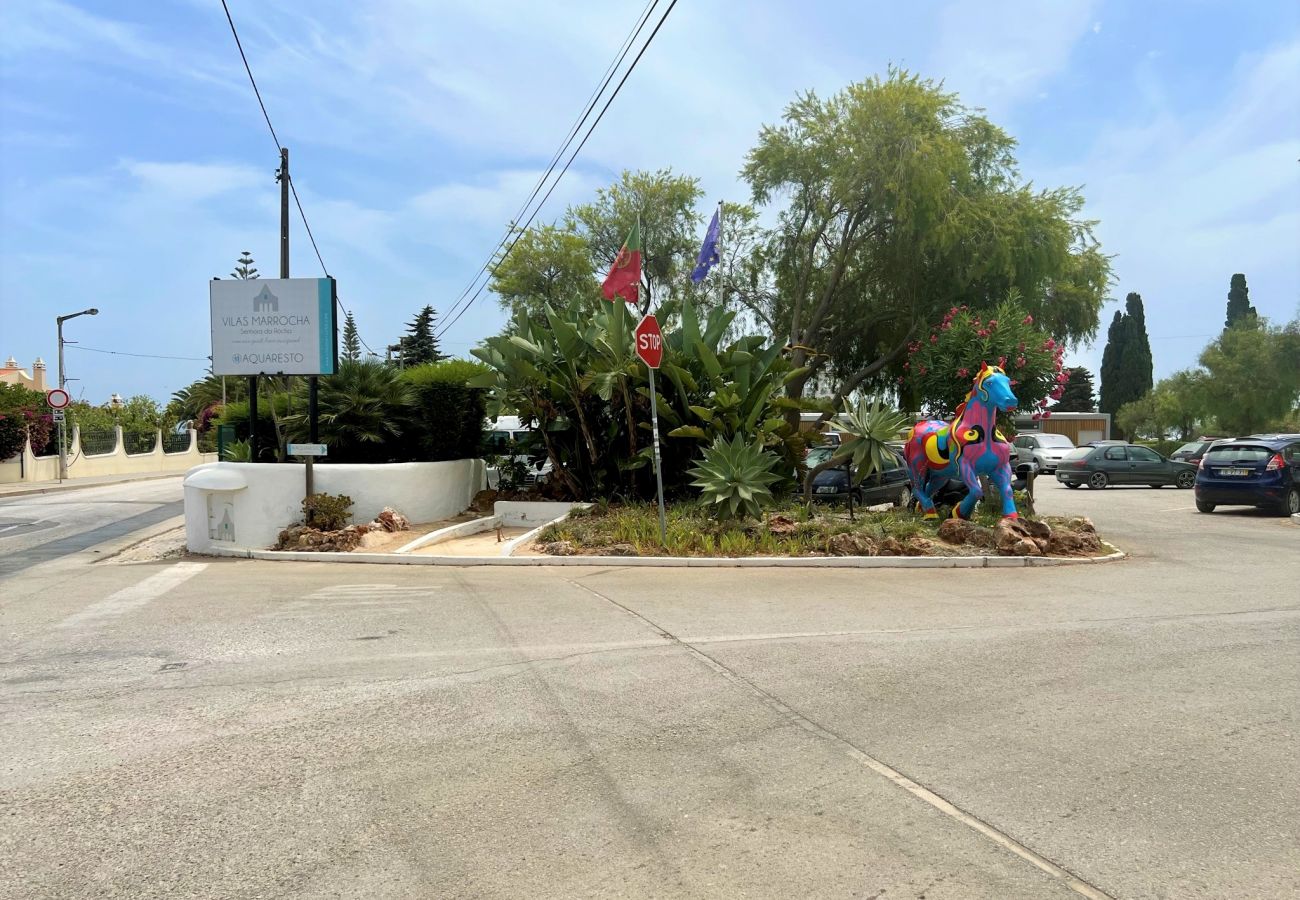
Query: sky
[(135, 164)]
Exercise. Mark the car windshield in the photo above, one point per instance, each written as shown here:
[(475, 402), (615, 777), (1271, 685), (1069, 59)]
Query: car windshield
[(1054, 440), (1238, 454), (1079, 453), (819, 455)]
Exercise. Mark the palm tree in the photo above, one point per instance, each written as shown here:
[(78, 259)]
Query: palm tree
[(360, 412)]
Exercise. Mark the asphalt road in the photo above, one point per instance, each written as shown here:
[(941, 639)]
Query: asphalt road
[(230, 728)]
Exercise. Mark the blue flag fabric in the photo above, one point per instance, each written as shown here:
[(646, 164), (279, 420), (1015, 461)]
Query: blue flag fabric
[(709, 252)]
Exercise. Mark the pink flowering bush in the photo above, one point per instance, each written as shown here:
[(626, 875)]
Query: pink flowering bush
[(941, 367)]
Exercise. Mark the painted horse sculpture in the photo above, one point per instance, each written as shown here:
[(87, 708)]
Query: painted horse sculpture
[(966, 448)]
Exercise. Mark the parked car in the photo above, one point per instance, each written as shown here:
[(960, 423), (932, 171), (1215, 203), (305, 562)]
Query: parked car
[(1194, 451), (1263, 472), (1103, 443), (892, 485), (1099, 467), (1045, 449)]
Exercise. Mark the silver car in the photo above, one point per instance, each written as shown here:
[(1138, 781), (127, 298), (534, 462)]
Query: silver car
[(1046, 450)]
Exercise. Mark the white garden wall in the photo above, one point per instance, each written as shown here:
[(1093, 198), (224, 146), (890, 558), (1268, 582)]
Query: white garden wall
[(27, 467), (246, 504)]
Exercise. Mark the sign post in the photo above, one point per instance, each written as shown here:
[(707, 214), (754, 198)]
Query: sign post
[(57, 399), (650, 347)]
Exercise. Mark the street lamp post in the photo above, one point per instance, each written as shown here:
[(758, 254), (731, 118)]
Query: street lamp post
[(63, 443)]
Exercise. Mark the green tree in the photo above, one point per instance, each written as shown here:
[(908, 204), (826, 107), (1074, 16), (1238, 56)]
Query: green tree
[(1078, 395), (1180, 399), (1252, 375), (420, 344), (244, 269), (550, 264), (351, 340), (1126, 363), (1141, 418), (902, 203), (1239, 308), (671, 229)]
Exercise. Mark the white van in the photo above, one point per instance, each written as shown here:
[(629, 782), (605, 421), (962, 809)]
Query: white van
[(508, 434)]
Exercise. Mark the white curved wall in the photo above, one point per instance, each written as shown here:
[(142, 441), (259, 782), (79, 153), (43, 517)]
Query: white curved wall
[(272, 498)]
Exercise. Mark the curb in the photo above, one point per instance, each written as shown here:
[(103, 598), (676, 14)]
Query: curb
[(805, 562)]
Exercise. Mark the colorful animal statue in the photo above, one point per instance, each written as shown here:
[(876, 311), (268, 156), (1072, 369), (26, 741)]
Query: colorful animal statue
[(966, 448)]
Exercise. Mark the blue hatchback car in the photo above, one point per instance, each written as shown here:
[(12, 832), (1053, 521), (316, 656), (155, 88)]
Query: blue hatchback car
[(1263, 471)]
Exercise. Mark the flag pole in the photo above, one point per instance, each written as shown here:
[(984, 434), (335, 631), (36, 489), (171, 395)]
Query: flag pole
[(654, 410), (722, 287)]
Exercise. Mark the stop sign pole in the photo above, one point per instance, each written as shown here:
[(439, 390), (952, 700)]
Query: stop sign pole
[(650, 347)]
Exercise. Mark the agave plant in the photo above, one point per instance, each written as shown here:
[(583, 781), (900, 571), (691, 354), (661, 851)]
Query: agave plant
[(735, 477), (865, 428)]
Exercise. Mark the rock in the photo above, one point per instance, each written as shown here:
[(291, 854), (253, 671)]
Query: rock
[(918, 546), (391, 520), (558, 548), (849, 543), (483, 500), (1066, 543), (960, 531), (781, 525), (1020, 537), (889, 547), (622, 550)]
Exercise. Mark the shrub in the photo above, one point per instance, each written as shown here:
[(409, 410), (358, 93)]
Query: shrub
[(24, 415), (328, 512), (735, 477), (446, 416)]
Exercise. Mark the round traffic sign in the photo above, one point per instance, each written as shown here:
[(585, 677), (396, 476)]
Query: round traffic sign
[(57, 398)]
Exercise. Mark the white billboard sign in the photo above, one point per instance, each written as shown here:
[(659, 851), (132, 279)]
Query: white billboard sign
[(274, 326)]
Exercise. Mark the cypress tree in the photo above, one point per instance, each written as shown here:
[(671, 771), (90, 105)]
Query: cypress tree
[(351, 340), (1239, 307), (1126, 363)]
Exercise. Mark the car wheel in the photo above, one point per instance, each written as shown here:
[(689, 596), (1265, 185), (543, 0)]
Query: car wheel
[(1291, 505), (1204, 507), (1185, 480), (1098, 480), (904, 499), (1071, 485)]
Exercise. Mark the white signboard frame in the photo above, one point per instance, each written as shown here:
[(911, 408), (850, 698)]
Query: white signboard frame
[(274, 326)]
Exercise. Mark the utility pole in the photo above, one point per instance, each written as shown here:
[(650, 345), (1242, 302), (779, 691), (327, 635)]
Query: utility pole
[(63, 428)]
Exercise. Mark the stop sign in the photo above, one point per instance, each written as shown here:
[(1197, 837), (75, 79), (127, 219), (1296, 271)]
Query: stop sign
[(649, 342)]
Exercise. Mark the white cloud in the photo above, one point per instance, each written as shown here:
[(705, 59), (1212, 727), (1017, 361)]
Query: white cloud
[(999, 52), (185, 182)]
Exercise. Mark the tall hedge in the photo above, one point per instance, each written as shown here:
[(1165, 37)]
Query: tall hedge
[(447, 418)]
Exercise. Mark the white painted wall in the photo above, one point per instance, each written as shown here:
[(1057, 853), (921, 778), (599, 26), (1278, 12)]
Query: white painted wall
[(27, 467), (530, 513), (271, 495)]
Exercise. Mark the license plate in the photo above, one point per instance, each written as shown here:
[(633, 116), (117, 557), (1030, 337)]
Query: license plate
[(825, 489), (1237, 473)]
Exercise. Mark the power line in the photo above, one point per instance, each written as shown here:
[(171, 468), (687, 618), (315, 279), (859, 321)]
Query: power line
[(140, 355), (520, 232), (293, 189), (555, 158)]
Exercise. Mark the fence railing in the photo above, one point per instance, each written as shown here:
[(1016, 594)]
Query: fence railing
[(176, 443), (139, 441), (97, 443)]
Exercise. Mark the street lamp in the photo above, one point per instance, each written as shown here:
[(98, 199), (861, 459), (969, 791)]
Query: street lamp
[(63, 444)]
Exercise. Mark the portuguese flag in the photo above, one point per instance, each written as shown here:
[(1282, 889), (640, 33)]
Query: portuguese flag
[(625, 275)]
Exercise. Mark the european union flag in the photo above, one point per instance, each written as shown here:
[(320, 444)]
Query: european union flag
[(709, 252)]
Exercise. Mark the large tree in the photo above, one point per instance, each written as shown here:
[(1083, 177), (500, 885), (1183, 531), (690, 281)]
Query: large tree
[(549, 264), (901, 204), (665, 204), (1239, 308), (1126, 364), (1252, 375), (1078, 395), (351, 340), (420, 343)]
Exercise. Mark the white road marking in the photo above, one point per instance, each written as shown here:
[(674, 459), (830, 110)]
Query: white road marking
[(131, 598)]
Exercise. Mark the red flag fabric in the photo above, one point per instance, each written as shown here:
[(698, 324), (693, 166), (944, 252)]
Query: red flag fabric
[(624, 279)]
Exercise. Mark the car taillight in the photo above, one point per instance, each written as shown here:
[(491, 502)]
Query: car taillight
[(1275, 463), (1201, 463)]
